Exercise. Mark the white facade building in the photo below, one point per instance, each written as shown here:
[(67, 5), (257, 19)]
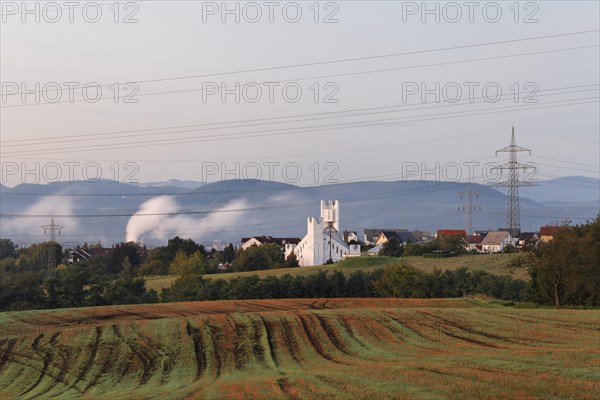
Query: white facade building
[(321, 241), (496, 241)]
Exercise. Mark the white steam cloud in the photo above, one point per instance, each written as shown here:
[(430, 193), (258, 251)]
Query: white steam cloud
[(29, 228), (166, 226)]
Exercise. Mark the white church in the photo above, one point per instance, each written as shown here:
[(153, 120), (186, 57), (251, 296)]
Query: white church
[(322, 241)]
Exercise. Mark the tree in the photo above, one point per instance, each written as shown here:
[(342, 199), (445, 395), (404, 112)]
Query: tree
[(37, 256), (185, 288), (129, 291), (116, 255), (7, 249), (292, 261), (228, 253), (392, 248), (565, 270), (186, 246), (75, 286), (126, 267), (397, 280), (156, 262), (251, 259), (452, 243), (275, 254), (194, 264), (20, 291)]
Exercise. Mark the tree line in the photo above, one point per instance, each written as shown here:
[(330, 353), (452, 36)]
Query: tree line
[(396, 280), (563, 271)]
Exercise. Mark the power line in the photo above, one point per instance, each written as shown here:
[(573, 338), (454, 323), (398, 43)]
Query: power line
[(560, 136), (309, 129), (327, 76), (343, 60), (279, 120)]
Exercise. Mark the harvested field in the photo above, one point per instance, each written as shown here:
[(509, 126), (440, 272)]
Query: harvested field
[(303, 348)]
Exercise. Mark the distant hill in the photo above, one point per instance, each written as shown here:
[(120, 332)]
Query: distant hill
[(229, 210), (569, 189), (173, 183)]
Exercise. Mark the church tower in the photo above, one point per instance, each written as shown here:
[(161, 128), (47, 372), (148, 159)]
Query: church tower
[(330, 214)]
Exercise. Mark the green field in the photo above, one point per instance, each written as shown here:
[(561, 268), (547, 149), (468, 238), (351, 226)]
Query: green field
[(302, 349), (492, 263)]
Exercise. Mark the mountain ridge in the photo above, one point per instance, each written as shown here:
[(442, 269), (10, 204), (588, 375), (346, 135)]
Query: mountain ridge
[(228, 210)]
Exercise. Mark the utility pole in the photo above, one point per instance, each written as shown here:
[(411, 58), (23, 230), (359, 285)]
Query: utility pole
[(52, 228), (330, 230), (469, 207), (513, 166)]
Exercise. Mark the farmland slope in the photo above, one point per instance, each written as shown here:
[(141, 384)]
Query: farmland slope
[(306, 348)]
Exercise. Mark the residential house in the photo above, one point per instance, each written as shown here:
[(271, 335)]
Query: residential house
[(374, 251), (526, 238), (547, 233), (403, 237), (287, 244), (474, 243), (351, 236), (371, 234), (495, 241), (421, 236)]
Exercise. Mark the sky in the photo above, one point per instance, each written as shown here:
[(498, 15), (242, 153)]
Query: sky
[(301, 92)]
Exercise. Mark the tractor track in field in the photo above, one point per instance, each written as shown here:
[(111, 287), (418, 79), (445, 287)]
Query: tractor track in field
[(7, 346), (391, 332), (240, 356), (269, 329), (108, 360), (217, 353), (410, 325), (169, 363), (468, 331), (334, 336), (258, 329), (91, 358), (47, 356), (390, 324), (374, 332), (199, 348), (291, 340), (146, 356), (343, 321), (128, 360), (66, 353), (314, 340)]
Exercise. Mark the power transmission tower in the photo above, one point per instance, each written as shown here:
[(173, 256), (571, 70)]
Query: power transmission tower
[(469, 207), (52, 228), (513, 183)]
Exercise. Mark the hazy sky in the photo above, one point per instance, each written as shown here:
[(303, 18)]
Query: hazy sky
[(356, 118)]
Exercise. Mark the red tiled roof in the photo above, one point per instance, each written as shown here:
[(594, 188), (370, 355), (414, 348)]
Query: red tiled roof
[(451, 232), (475, 239), (549, 230)]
